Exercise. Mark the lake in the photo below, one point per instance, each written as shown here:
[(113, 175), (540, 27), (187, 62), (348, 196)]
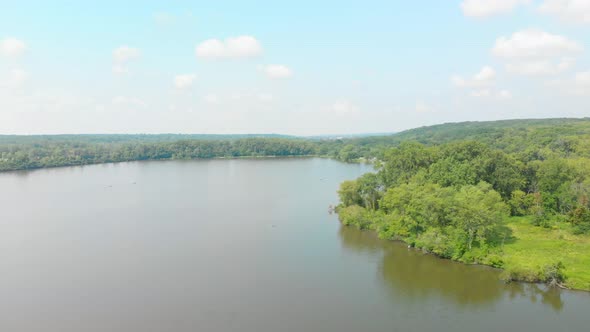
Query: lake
[(233, 245)]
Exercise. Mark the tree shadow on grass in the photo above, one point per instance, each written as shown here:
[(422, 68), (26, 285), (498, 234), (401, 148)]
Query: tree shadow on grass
[(502, 235)]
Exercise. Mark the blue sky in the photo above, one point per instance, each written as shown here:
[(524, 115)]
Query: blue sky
[(301, 68)]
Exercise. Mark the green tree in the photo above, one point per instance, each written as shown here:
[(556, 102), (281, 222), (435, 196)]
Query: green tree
[(520, 203), (349, 193), (402, 163), (478, 211), (370, 190)]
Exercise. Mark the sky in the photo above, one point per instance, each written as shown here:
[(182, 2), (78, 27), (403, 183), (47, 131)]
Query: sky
[(298, 67)]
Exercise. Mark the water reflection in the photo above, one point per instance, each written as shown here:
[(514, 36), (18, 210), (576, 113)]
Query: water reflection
[(416, 276), (537, 294)]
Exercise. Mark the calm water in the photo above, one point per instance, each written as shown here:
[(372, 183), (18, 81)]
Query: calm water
[(233, 245)]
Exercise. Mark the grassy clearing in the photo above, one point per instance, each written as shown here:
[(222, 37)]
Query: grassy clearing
[(533, 247)]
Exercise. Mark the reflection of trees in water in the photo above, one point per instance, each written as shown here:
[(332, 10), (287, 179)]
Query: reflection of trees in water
[(361, 241), (414, 275), (535, 292)]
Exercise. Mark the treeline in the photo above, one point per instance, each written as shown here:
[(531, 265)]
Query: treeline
[(454, 199), (42, 153), (29, 152), (536, 138)]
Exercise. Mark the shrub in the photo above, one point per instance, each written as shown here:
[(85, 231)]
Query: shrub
[(494, 260), (353, 215), (435, 241), (581, 229), (551, 274), (517, 273)]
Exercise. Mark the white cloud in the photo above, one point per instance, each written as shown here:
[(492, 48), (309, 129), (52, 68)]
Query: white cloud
[(575, 11), (234, 47), (184, 81), (540, 67), (277, 71), (534, 43), (485, 77), (482, 84), (487, 74), (458, 81), (342, 107), (211, 98), (486, 8), (578, 84), (122, 56), (12, 47), (120, 69), (128, 101), (125, 53), (535, 52)]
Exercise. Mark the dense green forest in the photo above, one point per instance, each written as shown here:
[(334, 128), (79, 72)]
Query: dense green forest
[(29, 152), (469, 191), (40, 151)]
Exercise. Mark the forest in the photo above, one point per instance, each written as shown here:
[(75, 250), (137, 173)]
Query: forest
[(41, 151), (510, 194), (18, 152), (30, 152)]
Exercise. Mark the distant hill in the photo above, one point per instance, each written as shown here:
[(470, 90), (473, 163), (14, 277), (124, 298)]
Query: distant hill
[(493, 130), (500, 134)]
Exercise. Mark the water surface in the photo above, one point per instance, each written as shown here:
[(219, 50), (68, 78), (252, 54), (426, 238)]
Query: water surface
[(233, 245)]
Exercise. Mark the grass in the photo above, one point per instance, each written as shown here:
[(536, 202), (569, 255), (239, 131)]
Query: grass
[(533, 247)]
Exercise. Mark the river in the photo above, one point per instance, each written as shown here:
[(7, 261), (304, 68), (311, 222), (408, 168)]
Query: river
[(233, 245)]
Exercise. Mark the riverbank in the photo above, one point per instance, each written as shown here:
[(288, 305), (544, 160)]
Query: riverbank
[(533, 247), (528, 254), (74, 164)]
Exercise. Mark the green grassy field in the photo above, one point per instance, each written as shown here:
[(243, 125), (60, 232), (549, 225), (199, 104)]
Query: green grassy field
[(533, 247)]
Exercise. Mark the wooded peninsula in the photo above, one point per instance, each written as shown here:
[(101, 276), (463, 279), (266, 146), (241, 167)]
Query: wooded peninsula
[(511, 194)]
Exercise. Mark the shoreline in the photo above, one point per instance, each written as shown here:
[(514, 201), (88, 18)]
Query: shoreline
[(161, 159), (507, 281), (182, 159)]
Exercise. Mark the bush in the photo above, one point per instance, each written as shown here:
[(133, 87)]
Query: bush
[(360, 217), (517, 273), (551, 274), (353, 215), (581, 229), (436, 242), (494, 260)]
